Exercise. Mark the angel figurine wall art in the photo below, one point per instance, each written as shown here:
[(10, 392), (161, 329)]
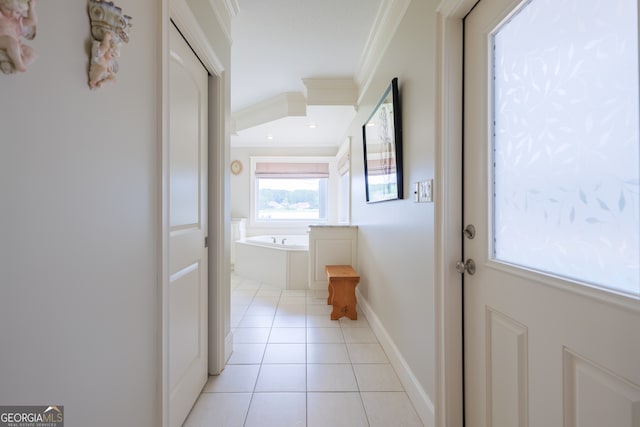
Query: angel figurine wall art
[(109, 30), (18, 21)]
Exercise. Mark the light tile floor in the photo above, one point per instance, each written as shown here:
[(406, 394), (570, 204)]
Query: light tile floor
[(293, 366)]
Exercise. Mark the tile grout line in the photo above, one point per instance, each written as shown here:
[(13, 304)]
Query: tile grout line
[(253, 393), (307, 326)]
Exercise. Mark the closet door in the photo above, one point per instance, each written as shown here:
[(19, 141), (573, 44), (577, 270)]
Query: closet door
[(188, 229)]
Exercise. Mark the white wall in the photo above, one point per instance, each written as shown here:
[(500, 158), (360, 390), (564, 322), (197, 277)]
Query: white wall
[(396, 238), (79, 225)]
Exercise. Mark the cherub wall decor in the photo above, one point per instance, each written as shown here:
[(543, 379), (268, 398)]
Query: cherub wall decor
[(18, 20), (109, 30)]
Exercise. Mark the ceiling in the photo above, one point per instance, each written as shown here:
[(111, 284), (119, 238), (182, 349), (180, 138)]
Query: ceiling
[(293, 69)]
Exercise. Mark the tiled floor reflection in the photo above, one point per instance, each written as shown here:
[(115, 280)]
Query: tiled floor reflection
[(293, 366)]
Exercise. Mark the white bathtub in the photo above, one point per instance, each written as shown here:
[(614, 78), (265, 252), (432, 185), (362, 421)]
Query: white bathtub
[(278, 260)]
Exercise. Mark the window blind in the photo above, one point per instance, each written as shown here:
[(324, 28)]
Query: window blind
[(291, 170)]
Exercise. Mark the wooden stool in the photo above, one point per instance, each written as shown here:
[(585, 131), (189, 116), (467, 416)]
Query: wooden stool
[(342, 291)]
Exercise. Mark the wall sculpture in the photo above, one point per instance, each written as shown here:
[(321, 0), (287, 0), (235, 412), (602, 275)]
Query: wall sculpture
[(18, 21), (109, 30)]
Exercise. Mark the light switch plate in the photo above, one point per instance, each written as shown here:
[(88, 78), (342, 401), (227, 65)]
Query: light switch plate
[(425, 191)]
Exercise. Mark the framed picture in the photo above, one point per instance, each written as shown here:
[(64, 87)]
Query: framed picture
[(382, 138)]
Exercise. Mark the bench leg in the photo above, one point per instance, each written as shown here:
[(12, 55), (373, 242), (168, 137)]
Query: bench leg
[(343, 300), (346, 311)]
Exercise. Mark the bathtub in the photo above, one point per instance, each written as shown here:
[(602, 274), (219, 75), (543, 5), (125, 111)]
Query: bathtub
[(278, 260)]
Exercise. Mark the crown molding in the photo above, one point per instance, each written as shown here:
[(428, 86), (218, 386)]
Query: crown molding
[(232, 7), (322, 91), (331, 91), (318, 92), (225, 11), (284, 105), (386, 24)]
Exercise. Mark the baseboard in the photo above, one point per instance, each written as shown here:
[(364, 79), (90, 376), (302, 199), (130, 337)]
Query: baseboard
[(419, 397)]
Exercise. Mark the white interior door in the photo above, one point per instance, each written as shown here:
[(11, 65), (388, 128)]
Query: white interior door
[(551, 167), (188, 229)]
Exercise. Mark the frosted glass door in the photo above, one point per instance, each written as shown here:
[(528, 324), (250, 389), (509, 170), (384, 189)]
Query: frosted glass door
[(566, 156), (551, 185)]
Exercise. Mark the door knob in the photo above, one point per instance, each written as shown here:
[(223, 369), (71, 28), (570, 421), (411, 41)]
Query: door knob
[(468, 266)]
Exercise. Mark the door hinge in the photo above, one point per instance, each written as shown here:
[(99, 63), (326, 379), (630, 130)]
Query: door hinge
[(206, 241)]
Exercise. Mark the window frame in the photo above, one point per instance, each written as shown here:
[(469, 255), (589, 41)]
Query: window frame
[(331, 196)]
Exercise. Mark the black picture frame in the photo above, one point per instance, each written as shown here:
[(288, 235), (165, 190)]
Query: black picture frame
[(382, 141)]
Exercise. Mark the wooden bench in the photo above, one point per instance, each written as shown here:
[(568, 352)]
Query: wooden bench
[(342, 291)]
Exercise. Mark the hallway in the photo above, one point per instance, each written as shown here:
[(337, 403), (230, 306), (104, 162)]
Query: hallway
[(293, 366)]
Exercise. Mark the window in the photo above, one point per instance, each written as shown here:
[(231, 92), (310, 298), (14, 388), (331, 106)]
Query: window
[(566, 154), (288, 191)]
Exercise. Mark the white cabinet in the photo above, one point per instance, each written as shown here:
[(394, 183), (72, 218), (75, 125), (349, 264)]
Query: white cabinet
[(330, 245)]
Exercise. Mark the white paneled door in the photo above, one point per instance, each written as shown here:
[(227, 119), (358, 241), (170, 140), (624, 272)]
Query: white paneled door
[(188, 229), (551, 186)]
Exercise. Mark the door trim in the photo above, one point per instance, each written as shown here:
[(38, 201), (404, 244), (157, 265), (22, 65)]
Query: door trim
[(219, 220), (449, 397)]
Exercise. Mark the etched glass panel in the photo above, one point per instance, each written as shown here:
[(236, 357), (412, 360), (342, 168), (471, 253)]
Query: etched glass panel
[(566, 145)]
